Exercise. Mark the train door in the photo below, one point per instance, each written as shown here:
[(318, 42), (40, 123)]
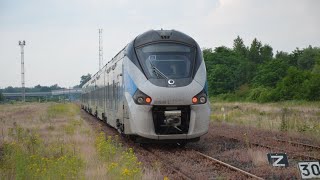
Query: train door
[(104, 96), (119, 86), (111, 102), (108, 101)]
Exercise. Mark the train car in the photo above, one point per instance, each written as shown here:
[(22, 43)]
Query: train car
[(153, 90)]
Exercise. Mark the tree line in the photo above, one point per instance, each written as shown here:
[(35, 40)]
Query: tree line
[(254, 73), (39, 88)]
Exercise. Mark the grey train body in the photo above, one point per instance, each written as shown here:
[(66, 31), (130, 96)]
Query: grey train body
[(155, 89)]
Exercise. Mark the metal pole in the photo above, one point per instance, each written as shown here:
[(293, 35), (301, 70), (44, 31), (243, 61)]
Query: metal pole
[(22, 44)]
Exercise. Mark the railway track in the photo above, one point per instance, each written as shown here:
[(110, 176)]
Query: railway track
[(292, 153), (219, 165), (294, 143), (169, 166), (249, 175)]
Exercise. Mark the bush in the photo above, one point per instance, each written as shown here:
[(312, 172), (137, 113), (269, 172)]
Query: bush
[(312, 88)]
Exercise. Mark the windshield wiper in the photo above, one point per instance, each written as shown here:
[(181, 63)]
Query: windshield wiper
[(157, 72)]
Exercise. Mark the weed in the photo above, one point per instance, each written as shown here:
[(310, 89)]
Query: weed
[(57, 110), (284, 122), (246, 140), (122, 163), (69, 129), (26, 157)]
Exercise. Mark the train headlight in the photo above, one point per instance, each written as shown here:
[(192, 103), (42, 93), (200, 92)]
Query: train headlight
[(141, 98), (200, 98), (203, 99)]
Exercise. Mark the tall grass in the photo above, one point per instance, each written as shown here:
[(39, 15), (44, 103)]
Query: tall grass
[(59, 110), (122, 163), (27, 157), (28, 150), (52, 141), (295, 117)]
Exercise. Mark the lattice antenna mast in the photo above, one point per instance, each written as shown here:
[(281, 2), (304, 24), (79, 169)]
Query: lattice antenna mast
[(100, 50), (22, 44)]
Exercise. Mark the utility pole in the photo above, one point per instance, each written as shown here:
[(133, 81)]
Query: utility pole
[(22, 44), (100, 50)]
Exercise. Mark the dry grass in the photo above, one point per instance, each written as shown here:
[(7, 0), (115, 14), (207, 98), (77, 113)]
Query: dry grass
[(56, 126), (258, 157), (62, 131), (301, 118), (153, 174)]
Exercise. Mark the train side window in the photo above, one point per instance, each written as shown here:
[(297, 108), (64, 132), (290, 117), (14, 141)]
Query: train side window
[(108, 95), (113, 95)]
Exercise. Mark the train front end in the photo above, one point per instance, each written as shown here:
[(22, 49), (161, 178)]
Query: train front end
[(166, 88)]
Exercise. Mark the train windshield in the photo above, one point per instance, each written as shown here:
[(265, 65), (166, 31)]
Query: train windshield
[(167, 60)]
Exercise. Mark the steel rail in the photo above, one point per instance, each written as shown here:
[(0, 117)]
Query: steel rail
[(229, 166)]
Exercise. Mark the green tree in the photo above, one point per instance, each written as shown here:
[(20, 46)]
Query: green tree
[(11, 89), (208, 57), (239, 47), (293, 61), (221, 79), (1, 96), (293, 85), (316, 68), (55, 87), (254, 51), (270, 73), (84, 79), (266, 53), (283, 56), (312, 87), (308, 58)]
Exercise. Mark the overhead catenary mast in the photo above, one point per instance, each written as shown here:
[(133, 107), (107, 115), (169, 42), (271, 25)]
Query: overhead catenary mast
[(22, 44), (100, 50)]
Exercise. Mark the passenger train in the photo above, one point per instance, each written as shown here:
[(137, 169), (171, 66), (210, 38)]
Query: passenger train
[(153, 90)]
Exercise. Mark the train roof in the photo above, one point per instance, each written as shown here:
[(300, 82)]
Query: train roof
[(163, 35)]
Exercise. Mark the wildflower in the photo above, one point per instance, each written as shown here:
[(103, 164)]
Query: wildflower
[(125, 172)]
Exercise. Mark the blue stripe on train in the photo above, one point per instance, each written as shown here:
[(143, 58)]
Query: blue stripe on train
[(129, 85), (206, 87)]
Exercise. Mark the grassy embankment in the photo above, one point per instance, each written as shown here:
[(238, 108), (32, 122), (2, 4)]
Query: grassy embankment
[(52, 141), (292, 117)]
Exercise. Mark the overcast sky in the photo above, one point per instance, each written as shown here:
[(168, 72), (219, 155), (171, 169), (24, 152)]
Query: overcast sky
[(62, 35)]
